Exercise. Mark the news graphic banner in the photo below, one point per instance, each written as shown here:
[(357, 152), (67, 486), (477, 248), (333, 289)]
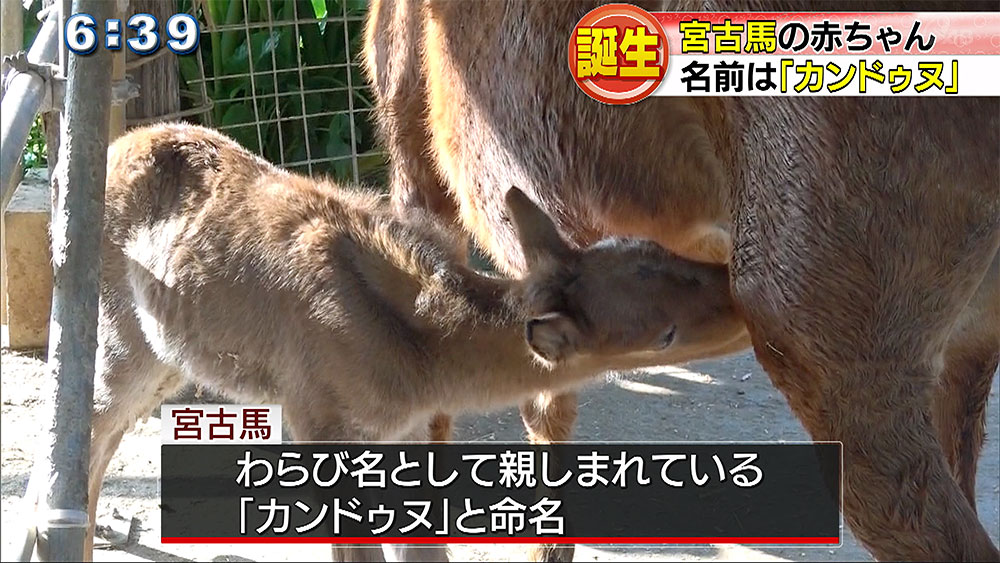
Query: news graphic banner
[(220, 424), (615, 493), (621, 54)]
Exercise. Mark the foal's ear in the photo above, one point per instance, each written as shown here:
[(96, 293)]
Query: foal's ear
[(553, 337), (540, 241)]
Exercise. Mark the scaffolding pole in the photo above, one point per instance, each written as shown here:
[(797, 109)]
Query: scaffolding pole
[(22, 99), (11, 41), (77, 220)]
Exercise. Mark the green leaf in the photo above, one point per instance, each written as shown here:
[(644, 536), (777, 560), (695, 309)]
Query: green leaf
[(237, 114), (313, 52), (188, 66), (30, 24), (216, 10), (263, 45), (319, 9), (35, 153), (232, 37), (338, 141), (225, 53)]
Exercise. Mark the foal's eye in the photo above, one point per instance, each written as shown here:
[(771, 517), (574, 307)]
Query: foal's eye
[(666, 338)]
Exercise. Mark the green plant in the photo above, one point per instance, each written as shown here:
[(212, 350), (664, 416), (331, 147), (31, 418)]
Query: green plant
[(35, 152), (293, 72), (311, 76)]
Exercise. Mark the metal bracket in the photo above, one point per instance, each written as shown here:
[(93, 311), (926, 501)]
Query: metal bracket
[(55, 84), (18, 63)]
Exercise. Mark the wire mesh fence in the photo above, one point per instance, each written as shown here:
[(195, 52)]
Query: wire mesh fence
[(282, 77)]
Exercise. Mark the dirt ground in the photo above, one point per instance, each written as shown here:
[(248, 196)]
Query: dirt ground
[(728, 399)]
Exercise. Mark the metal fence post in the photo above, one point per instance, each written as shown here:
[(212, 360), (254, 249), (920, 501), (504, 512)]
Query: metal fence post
[(11, 41), (12, 28), (24, 95), (77, 220)]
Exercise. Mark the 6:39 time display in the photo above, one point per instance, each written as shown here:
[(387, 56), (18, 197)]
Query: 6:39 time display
[(182, 34)]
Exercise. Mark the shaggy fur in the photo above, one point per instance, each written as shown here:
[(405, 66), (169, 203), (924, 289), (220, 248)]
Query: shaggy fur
[(860, 231), (271, 287)]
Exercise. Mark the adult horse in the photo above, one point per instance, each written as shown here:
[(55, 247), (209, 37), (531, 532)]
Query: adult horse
[(862, 233)]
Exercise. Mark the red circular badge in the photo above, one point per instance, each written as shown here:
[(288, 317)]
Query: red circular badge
[(618, 54)]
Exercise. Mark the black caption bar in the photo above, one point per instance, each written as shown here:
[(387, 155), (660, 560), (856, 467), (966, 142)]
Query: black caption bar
[(499, 492)]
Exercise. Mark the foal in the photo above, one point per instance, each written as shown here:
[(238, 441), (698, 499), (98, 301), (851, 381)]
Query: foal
[(272, 287)]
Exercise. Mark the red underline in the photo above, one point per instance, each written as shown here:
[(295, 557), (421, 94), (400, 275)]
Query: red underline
[(550, 540)]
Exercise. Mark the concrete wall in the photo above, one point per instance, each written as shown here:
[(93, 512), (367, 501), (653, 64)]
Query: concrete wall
[(28, 280)]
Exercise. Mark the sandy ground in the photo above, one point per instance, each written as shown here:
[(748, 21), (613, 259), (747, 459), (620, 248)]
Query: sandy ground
[(729, 399)]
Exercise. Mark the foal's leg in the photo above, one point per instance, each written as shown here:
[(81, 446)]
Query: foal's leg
[(410, 552), (309, 422), (130, 383), (550, 418)]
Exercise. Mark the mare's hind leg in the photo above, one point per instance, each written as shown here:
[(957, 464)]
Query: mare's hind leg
[(393, 65), (853, 334), (971, 360)]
